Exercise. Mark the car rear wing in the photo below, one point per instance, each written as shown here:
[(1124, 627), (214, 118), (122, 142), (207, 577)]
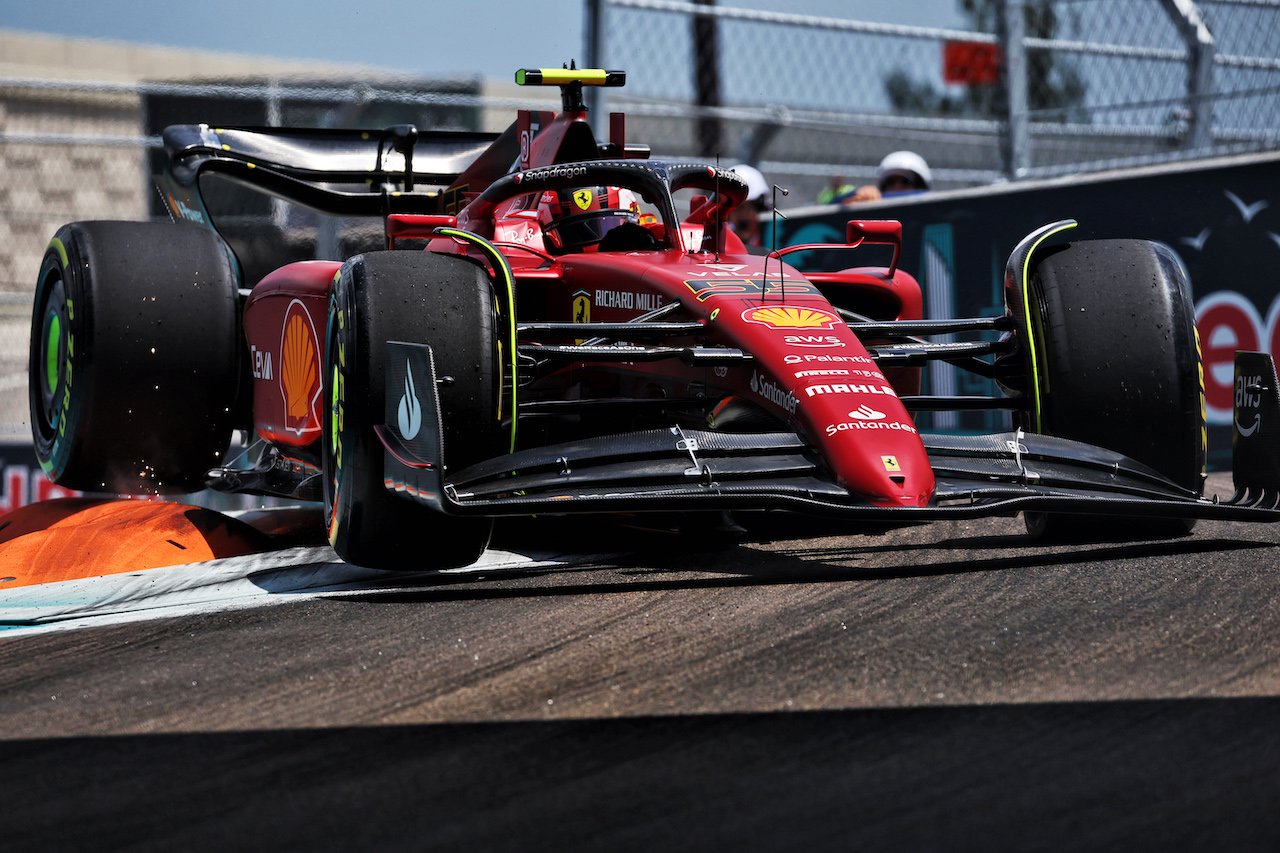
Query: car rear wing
[(398, 169)]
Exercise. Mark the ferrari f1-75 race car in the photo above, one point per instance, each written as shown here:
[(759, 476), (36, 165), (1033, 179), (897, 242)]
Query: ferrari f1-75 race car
[(582, 333)]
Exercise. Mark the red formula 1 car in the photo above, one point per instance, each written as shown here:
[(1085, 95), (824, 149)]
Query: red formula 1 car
[(582, 334)]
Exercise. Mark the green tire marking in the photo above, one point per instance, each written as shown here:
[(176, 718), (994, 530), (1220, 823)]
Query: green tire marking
[(333, 412), (500, 264), (1026, 310), (56, 245)]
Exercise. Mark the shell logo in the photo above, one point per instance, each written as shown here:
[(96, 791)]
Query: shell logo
[(791, 317), (299, 371)]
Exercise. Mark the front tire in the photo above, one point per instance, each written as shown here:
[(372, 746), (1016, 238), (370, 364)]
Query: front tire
[(1117, 364), (446, 302)]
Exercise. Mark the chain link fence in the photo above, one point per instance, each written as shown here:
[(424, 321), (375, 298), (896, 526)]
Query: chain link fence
[(1055, 86), (1104, 84)]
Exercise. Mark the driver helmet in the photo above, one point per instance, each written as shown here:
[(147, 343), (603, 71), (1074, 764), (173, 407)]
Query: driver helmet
[(573, 219)]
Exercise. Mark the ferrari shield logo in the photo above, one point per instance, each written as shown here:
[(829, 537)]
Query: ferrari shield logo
[(581, 310), (581, 307), (582, 198), (890, 463)]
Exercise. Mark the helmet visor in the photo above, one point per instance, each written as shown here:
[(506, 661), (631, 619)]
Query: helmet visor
[(578, 231)]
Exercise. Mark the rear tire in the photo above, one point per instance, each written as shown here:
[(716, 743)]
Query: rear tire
[(414, 297), (134, 363), (1118, 363)]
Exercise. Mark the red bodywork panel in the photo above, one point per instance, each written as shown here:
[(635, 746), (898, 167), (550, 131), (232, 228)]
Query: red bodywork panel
[(881, 297), (284, 322), (809, 370)]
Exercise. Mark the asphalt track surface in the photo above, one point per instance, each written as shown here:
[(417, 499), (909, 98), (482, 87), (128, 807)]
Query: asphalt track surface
[(949, 686)]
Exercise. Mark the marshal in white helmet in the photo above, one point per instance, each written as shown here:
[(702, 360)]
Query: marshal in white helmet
[(903, 172)]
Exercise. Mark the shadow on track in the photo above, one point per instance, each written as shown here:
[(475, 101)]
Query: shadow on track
[(749, 568), (1172, 774)]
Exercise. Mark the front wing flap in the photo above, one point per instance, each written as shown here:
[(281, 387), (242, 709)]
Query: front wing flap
[(678, 469)]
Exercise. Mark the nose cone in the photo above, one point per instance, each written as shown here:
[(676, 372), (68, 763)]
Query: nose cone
[(905, 494), (899, 479), (870, 441)]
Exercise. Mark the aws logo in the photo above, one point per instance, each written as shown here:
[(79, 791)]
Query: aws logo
[(813, 340), (1249, 396)]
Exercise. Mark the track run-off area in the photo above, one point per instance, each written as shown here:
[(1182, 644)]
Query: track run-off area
[(596, 685)]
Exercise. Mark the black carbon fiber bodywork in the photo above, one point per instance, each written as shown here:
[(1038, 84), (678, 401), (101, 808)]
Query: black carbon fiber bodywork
[(673, 469)]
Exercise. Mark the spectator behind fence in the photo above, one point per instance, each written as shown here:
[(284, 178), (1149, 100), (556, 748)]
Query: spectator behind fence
[(901, 173), (839, 192)]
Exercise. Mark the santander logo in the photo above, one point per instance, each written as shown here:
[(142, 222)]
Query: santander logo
[(773, 393), (866, 418)]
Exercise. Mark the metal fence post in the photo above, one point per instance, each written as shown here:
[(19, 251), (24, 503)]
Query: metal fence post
[(593, 35), (1200, 54), (1017, 125), (706, 79)]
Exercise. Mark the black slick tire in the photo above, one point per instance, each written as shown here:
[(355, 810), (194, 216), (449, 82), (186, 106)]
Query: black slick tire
[(134, 363), (446, 302), (1116, 359)]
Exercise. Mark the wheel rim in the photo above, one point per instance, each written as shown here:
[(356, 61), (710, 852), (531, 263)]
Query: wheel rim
[(332, 441), (51, 358)]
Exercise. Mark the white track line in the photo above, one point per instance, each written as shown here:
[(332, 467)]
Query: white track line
[(255, 580)]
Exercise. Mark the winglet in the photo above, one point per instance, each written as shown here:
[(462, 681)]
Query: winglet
[(1255, 431), (411, 433)]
